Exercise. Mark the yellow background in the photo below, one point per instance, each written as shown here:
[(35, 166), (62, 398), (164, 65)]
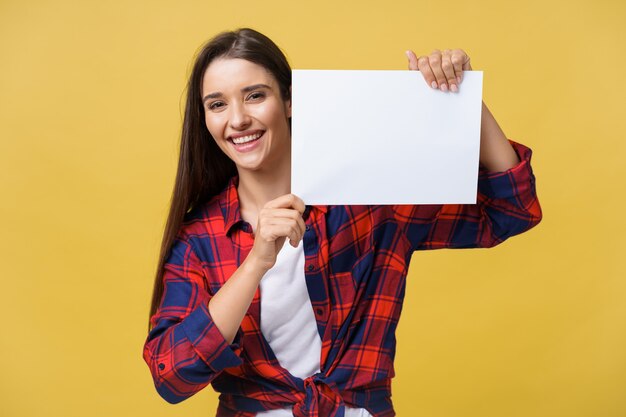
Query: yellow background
[(90, 112)]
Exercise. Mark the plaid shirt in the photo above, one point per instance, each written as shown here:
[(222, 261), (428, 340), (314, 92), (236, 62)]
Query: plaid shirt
[(356, 261)]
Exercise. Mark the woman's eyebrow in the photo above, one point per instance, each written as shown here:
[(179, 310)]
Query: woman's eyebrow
[(243, 90)]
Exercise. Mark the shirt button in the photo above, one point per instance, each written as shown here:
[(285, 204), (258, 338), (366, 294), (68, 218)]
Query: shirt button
[(319, 311), (311, 267), (161, 366)]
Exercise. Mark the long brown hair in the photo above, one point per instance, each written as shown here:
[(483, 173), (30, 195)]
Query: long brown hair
[(203, 169)]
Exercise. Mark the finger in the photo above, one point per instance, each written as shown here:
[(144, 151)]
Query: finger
[(287, 213), (412, 60), (275, 230), (297, 231), (424, 67), (434, 60), (291, 215), (301, 225), (287, 200), (458, 58), (294, 216), (448, 70), (288, 228)]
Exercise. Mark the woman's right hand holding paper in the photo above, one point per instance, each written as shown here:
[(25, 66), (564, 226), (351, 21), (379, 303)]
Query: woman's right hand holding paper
[(279, 219)]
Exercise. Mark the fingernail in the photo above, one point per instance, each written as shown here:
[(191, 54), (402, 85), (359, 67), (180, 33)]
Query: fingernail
[(453, 88), (458, 79), (444, 87), (433, 84)]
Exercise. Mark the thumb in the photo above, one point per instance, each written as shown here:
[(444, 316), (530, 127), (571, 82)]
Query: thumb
[(412, 60)]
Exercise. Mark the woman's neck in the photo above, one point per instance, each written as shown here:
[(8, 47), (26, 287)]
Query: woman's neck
[(258, 187)]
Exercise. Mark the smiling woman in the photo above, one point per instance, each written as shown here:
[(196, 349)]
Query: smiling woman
[(306, 329), (247, 117)]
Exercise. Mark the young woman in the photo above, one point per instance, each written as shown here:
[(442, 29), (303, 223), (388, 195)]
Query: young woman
[(305, 329)]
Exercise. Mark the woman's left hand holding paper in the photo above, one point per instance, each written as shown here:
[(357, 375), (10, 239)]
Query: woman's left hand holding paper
[(441, 69)]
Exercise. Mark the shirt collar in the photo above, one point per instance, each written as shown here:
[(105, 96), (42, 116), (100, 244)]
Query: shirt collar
[(229, 202)]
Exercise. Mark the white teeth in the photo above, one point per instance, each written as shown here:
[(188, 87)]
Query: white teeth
[(245, 139)]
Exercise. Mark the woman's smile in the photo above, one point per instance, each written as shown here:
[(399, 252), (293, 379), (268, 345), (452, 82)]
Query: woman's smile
[(246, 142)]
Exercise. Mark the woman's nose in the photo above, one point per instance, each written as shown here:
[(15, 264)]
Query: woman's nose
[(239, 117)]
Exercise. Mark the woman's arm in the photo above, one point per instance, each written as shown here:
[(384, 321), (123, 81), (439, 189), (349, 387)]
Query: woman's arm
[(496, 153), (197, 334), (229, 305), (280, 218), (185, 350)]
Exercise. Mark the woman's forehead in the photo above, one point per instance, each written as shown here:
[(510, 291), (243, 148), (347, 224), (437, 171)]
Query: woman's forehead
[(233, 73)]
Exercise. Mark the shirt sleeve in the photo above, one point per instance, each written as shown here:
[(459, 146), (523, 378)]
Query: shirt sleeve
[(506, 205), (185, 350)]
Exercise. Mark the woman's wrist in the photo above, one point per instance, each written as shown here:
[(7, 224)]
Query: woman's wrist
[(253, 267)]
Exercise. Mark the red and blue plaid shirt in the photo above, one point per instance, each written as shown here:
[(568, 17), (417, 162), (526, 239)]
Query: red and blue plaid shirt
[(356, 262)]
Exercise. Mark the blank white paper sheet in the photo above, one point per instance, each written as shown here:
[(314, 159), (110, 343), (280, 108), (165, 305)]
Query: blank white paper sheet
[(384, 137)]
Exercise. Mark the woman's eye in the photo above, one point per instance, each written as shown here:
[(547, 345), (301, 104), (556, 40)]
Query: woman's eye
[(215, 105), (254, 96)]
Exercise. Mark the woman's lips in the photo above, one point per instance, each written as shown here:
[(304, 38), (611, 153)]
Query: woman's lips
[(248, 146)]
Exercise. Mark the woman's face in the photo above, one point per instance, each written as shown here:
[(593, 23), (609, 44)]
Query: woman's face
[(242, 102)]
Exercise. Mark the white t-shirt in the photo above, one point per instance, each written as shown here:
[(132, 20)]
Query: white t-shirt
[(288, 322)]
